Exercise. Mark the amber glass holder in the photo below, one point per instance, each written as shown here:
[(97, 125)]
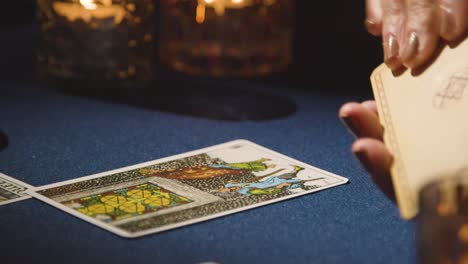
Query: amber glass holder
[(95, 40), (226, 37)]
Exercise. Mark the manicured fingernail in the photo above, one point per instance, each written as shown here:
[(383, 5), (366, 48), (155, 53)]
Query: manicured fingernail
[(411, 48), (352, 129), (369, 23), (391, 49), (371, 26), (449, 25)]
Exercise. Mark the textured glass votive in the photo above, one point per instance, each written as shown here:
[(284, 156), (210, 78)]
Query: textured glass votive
[(443, 221), (95, 39), (226, 37)]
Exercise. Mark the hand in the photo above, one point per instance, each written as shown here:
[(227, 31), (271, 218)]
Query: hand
[(362, 120), (412, 29)]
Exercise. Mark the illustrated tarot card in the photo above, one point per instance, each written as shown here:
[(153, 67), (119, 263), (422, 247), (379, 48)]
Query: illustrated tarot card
[(184, 189), (12, 190)]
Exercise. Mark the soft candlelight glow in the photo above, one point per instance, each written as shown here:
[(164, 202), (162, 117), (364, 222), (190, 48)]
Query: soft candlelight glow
[(88, 10), (88, 4), (219, 7), (226, 38), (96, 40), (200, 13)]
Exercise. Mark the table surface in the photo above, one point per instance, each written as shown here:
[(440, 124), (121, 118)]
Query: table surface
[(55, 136)]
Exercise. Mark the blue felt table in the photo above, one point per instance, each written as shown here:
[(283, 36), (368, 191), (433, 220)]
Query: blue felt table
[(54, 136)]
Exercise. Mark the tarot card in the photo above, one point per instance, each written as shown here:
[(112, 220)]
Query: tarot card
[(185, 189), (424, 119), (12, 190)]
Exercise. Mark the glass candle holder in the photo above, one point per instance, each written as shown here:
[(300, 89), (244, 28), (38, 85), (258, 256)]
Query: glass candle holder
[(443, 221), (226, 37), (95, 39)]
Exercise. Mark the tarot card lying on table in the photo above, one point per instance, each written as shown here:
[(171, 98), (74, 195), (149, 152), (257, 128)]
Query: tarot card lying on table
[(12, 190), (186, 189)]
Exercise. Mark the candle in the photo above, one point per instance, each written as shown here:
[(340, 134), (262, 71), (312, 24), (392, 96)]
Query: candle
[(88, 10), (96, 39), (226, 37), (221, 5)]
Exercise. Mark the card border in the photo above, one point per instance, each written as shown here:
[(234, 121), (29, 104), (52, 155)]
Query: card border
[(23, 184), (115, 230), (404, 195)]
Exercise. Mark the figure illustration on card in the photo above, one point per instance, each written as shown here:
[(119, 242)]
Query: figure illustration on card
[(267, 177), (288, 179), (211, 171)]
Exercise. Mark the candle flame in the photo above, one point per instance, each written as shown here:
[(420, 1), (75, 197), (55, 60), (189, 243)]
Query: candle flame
[(88, 4), (200, 13), (88, 10), (221, 5)]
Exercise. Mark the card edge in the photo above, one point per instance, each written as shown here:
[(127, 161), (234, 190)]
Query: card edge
[(10, 178), (234, 211), (19, 199), (89, 220), (134, 166), (34, 191), (408, 208)]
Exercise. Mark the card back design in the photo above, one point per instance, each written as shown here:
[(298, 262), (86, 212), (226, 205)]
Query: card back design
[(423, 115)]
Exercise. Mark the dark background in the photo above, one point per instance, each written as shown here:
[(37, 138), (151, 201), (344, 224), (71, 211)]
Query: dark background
[(331, 47), (51, 137)]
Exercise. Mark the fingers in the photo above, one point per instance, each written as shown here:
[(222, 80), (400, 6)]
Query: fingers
[(369, 148), (373, 21), (371, 105), (393, 22), (421, 32), (411, 29), (377, 160), (453, 19), (362, 120)]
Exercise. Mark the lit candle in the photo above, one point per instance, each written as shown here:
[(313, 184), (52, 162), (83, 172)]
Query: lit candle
[(96, 39), (87, 10), (221, 5), (235, 38)]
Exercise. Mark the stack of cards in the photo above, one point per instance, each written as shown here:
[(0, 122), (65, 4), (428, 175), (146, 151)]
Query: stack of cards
[(424, 120), (181, 190)]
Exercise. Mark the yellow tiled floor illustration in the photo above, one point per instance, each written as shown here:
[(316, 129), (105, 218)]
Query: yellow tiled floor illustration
[(127, 202)]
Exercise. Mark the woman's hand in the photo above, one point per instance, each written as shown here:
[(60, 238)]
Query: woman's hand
[(362, 120), (412, 29)]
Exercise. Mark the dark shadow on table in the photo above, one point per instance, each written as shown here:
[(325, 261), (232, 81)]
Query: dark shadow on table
[(3, 140), (205, 99)]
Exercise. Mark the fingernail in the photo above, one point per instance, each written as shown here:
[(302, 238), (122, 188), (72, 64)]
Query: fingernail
[(391, 49), (369, 23), (349, 125), (371, 26), (448, 22), (411, 48)]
